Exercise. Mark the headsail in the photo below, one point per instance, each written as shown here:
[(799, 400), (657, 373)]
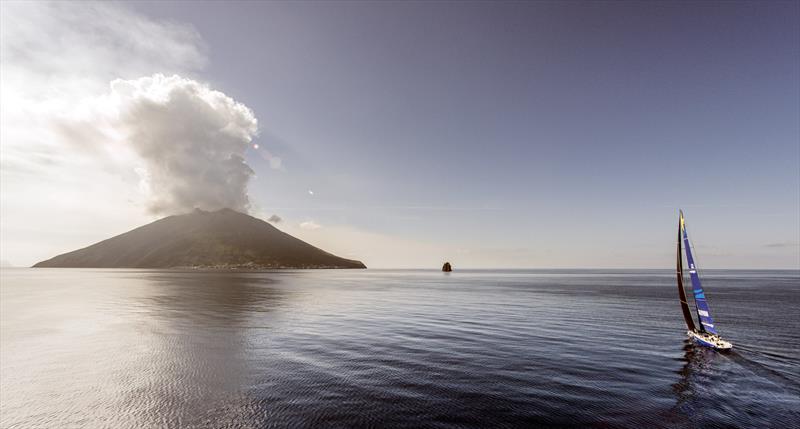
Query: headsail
[(687, 314), (703, 312)]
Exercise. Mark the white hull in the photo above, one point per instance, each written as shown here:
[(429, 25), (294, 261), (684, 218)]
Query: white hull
[(709, 340)]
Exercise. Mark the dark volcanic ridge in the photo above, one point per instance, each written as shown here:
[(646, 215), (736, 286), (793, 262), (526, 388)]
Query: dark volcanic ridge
[(223, 239)]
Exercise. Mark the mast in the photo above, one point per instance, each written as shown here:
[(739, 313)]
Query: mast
[(687, 314), (700, 303)]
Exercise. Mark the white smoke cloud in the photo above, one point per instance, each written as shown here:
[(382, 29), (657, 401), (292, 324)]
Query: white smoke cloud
[(187, 139), (192, 140)]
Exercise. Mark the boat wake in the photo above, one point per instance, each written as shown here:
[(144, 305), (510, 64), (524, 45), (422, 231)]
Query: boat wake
[(744, 356)]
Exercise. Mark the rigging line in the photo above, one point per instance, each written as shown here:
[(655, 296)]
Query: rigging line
[(694, 251), (696, 259), (694, 254)]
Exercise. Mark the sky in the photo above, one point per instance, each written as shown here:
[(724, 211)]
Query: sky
[(403, 134)]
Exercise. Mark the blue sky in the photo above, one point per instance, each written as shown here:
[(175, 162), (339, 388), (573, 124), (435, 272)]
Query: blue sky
[(540, 134)]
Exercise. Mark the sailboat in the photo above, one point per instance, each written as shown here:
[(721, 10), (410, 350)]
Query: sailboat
[(704, 333)]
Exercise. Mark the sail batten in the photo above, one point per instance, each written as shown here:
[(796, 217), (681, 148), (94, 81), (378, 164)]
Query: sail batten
[(703, 311)]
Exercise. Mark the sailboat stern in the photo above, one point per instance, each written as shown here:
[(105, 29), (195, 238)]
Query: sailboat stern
[(706, 339)]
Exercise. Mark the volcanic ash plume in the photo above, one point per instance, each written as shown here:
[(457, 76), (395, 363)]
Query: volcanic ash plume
[(189, 141)]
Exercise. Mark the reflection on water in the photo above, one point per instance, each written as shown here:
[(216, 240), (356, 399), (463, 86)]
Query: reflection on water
[(199, 355), (145, 347), (698, 361), (139, 348)]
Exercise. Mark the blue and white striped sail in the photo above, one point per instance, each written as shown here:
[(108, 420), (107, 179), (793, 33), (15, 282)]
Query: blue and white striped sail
[(703, 312)]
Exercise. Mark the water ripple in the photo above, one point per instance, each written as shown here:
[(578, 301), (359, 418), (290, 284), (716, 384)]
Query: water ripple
[(557, 348)]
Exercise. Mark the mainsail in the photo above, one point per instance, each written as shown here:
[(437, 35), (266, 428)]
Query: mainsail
[(703, 312), (687, 314)]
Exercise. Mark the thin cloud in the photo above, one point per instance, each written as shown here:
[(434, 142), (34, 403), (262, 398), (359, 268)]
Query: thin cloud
[(310, 225), (782, 245), (275, 162)]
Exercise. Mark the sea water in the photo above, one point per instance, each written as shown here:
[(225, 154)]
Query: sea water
[(392, 348)]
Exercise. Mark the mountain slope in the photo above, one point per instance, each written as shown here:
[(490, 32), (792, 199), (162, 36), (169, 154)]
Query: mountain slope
[(221, 239)]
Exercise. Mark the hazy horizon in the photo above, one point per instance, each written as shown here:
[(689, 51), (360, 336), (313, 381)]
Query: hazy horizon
[(491, 135), (7, 264)]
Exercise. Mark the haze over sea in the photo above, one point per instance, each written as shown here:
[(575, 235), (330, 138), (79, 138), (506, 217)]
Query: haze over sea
[(604, 348)]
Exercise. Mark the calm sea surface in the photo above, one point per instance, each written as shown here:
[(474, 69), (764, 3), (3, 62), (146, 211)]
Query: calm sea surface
[(373, 348)]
